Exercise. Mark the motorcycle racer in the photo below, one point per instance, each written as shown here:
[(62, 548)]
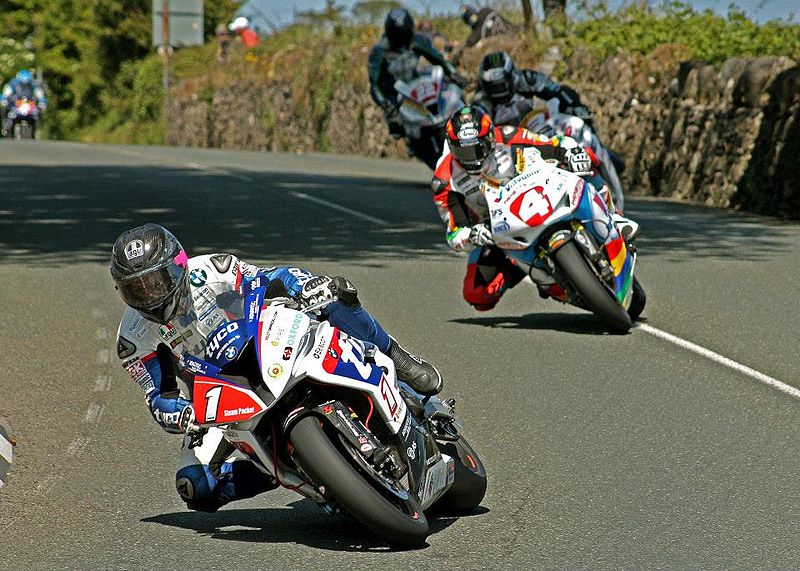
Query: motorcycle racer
[(175, 302), (21, 85), (478, 153), (507, 93), (396, 57)]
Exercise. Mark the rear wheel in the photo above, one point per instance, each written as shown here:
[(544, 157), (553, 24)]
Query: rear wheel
[(399, 522), (469, 485), (592, 292)]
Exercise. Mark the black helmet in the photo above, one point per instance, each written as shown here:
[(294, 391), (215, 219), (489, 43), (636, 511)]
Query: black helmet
[(496, 76), (470, 136), (399, 28), (148, 266), (469, 15)]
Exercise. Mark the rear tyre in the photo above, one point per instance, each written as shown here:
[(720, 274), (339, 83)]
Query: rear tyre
[(402, 525), (638, 300), (469, 485), (593, 293)]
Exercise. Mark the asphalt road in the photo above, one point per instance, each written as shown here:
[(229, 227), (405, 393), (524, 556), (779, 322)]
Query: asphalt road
[(602, 451)]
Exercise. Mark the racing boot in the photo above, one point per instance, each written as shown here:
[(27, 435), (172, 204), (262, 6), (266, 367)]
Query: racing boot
[(414, 371), (627, 227)]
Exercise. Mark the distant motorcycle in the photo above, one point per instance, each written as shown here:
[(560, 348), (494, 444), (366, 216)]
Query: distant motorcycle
[(557, 227), (549, 120), (22, 117), (426, 103), (323, 414)]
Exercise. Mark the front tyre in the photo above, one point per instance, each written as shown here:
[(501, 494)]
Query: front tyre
[(593, 293), (469, 484), (401, 525)]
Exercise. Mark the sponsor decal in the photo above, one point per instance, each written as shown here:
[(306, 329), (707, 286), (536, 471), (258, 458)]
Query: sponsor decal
[(332, 352), (327, 409), (252, 311), (136, 369), (275, 370), (501, 227), (134, 249), (406, 427), (215, 344), (319, 348), (287, 353), (467, 132), (197, 277), (238, 411), (411, 451), (243, 447), (292, 338), (230, 353), (167, 332)]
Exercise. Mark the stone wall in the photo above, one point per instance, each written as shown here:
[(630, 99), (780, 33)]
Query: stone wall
[(727, 136)]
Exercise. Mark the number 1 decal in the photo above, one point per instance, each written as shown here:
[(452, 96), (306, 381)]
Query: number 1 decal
[(212, 403)]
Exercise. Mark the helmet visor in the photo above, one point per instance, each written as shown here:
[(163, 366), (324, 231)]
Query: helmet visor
[(151, 290), (472, 155)]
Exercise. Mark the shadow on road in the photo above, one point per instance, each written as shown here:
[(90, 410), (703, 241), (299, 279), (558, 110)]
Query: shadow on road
[(278, 525), (582, 324), (51, 215), (686, 231), (55, 215)]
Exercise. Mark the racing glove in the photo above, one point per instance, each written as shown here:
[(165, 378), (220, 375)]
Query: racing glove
[(394, 121), (461, 238), (578, 161)]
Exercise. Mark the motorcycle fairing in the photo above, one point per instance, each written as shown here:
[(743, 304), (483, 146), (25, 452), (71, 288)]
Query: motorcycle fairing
[(280, 333), (220, 401), (543, 196), (336, 358)]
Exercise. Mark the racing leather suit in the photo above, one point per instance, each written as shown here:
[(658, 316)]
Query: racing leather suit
[(15, 89), (458, 197), (528, 83), (387, 65), (210, 475)]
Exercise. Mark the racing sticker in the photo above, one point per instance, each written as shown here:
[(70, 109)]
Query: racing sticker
[(344, 359), (198, 277)]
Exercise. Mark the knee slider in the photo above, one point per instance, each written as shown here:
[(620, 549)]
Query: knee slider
[(192, 483), (346, 291)]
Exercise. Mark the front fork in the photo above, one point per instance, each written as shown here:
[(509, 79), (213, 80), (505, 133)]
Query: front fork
[(578, 235)]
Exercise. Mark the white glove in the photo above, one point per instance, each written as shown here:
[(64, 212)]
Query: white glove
[(480, 235), (578, 161), (459, 239)]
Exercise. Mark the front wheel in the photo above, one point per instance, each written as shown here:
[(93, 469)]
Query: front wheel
[(591, 291), (400, 523)]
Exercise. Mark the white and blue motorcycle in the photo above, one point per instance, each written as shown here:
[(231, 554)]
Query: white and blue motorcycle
[(324, 415)]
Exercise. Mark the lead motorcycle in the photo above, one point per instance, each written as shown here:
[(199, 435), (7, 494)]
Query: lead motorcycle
[(324, 414), (557, 227), (22, 117), (426, 103)]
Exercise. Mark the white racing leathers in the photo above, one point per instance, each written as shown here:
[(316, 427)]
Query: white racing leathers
[(151, 353)]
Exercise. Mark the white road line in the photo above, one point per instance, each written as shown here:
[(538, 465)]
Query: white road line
[(76, 446), (102, 383), (104, 356), (6, 450), (95, 413), (101, 333), (334, 206), (716, 357)]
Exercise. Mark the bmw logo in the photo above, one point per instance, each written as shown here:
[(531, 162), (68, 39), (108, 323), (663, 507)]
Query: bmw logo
[(230, 353)]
